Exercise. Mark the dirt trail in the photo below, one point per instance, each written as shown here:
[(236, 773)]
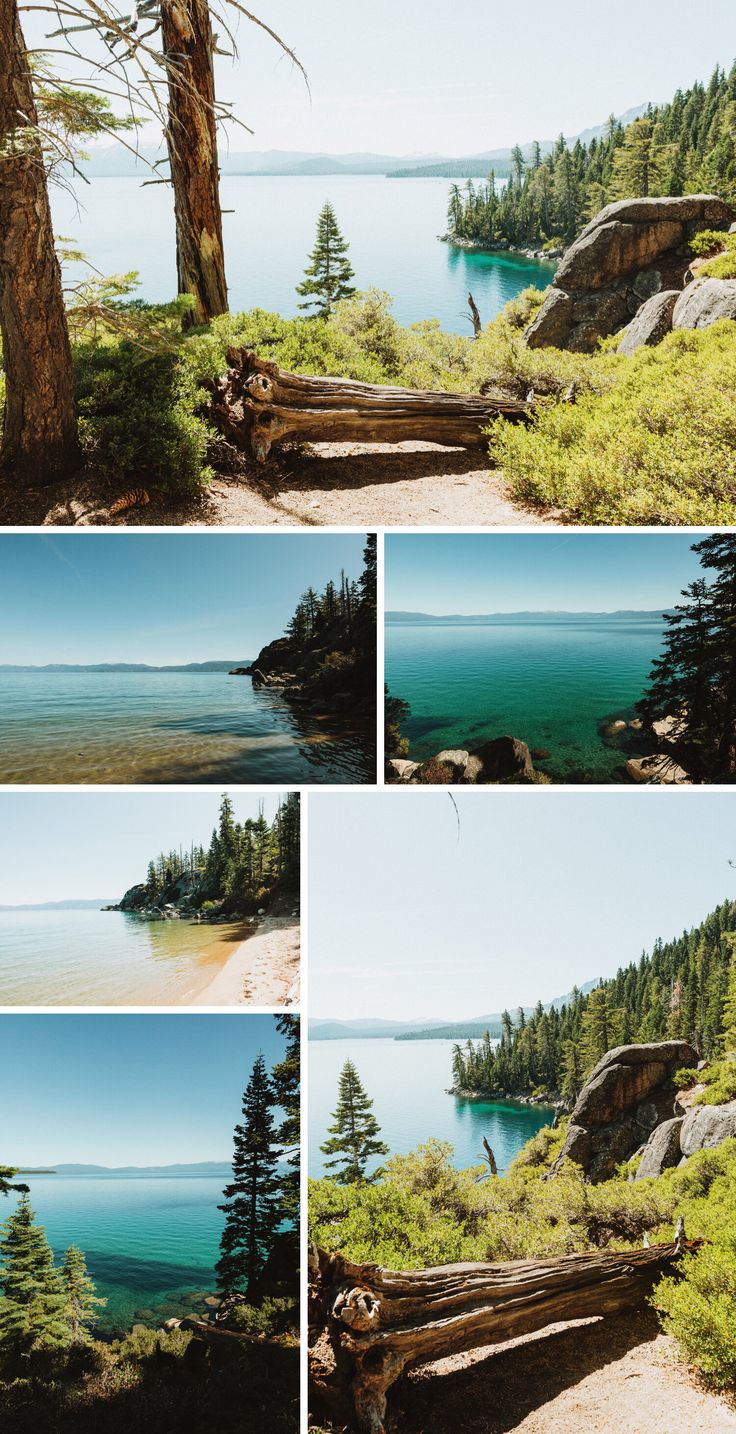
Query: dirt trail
[(359, 485), (620, 1375)]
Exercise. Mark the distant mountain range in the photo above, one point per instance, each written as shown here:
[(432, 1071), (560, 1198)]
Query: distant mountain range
[(367, 1029), (459, 619), (219, 665), (114, 161), (83, 904), (202, 1167)]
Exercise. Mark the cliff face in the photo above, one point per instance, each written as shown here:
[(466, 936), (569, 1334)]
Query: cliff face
[(182, 896), (329, 672)]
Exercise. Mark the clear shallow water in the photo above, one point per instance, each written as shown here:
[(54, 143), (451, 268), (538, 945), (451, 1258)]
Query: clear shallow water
[(553, 684), (151, 1242), (108, 958), (391, 225), (166, 727), (408, 1081)]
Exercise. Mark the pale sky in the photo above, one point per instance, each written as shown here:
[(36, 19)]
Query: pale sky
[(423, 76), (62, 846), (543, 889)]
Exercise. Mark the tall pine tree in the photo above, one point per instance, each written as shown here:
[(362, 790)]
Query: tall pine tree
[(327, 277), (33, 1310), (354, 1137), (80, 1293), (251, 1208)]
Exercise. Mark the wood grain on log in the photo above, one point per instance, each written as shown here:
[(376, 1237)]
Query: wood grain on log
[(256, 404), (367, 1324)]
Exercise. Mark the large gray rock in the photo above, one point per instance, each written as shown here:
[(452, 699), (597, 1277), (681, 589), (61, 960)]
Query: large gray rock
[(630, 252), (400, 769), (499, 760), (704, 302), (706, 1126), (662, 1149), (652, 322), (629, 1094)]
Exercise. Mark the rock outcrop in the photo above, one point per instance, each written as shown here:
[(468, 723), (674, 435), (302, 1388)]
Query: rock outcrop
[(662, 1149), (706, 1126), (652, 322), (629, 1094), (704, 302), (501, 759), (633, 250)]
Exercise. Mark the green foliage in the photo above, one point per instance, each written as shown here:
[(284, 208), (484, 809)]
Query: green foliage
[(252, 1208), (651, 441), (724, 267), (33, 1313), (699, 1310), (711, 241), (137, 417), (142, 1344), (266, 1319), (395, 711), (81, 1300)]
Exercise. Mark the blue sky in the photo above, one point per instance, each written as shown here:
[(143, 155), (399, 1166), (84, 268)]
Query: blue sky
[(158, 598), (126, 1090), (427, 76), (575, 572), (542, 890), (50, 846)]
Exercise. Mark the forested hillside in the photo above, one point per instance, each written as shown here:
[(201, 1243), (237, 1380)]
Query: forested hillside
[(684, 147), (679, 990), (243, 867)]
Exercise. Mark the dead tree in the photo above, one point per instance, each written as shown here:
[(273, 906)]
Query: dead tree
[(191, 139), (256, 405), (39, 438), (475, 317), (368, 1325)]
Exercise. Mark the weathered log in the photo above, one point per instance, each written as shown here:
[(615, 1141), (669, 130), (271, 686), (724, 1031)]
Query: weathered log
[(256, 404), (367, 1324)]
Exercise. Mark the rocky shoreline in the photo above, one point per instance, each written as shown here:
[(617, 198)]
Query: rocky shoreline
[(303, 679), (503, 246)]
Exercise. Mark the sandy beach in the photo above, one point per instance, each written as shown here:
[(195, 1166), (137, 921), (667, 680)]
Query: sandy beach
[(262, 971)]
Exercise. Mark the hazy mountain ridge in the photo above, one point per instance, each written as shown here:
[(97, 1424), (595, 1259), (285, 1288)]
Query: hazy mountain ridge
[(216, 665), (201, 1167), (418, 619), (82, 904), (367, 1029)]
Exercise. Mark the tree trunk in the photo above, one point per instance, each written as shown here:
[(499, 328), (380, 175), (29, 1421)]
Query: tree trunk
[(256, 404), (367, 1325), (39, 439), (191, 137)]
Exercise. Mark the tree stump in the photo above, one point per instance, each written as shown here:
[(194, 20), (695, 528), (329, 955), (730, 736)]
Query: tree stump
[(256, 405), (367, 1325)]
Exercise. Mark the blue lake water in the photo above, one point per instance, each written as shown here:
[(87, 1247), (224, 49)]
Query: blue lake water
[(391, 224), (408, 1081), (108, 958), (151, 1242), (167, 727), (555, 684)]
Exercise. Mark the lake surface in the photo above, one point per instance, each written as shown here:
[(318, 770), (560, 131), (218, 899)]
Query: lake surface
[(391, 225), (407, 1082), (151, 1243), (108, 958), (554, 684), (167, 727)]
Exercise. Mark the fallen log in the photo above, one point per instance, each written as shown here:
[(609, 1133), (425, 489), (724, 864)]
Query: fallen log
[(367, 1325), (256, 404)]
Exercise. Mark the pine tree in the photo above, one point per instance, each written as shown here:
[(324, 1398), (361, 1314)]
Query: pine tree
[(729, 1003), (355, 1133), (252, 1213), (6, 1176), (601, 1027), (33, 1314), (81, 1295), (327, 276), (286, 1080), (572, 1072)]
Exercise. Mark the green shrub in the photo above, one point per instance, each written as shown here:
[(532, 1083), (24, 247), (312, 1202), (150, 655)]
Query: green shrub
[(656, 444), (699, 1310), (269, 1318), (719, 1082), (711, 241), (722, 267), (137, 417)]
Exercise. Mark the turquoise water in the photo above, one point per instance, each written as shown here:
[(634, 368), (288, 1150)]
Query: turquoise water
[(167, 727), (391, 225), (151, 1242), (408, 1081), (554, 684), (108, 958)]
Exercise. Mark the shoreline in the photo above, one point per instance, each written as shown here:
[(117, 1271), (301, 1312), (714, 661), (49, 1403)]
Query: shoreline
[(263, 970)]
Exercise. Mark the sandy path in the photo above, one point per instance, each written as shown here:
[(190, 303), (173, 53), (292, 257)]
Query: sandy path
[(391, 484), (620, 1375), (263, 971)]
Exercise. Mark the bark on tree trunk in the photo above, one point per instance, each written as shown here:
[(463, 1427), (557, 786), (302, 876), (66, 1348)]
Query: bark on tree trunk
[(367, 1325), (256, 404), (39, 439), (191, 137)]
